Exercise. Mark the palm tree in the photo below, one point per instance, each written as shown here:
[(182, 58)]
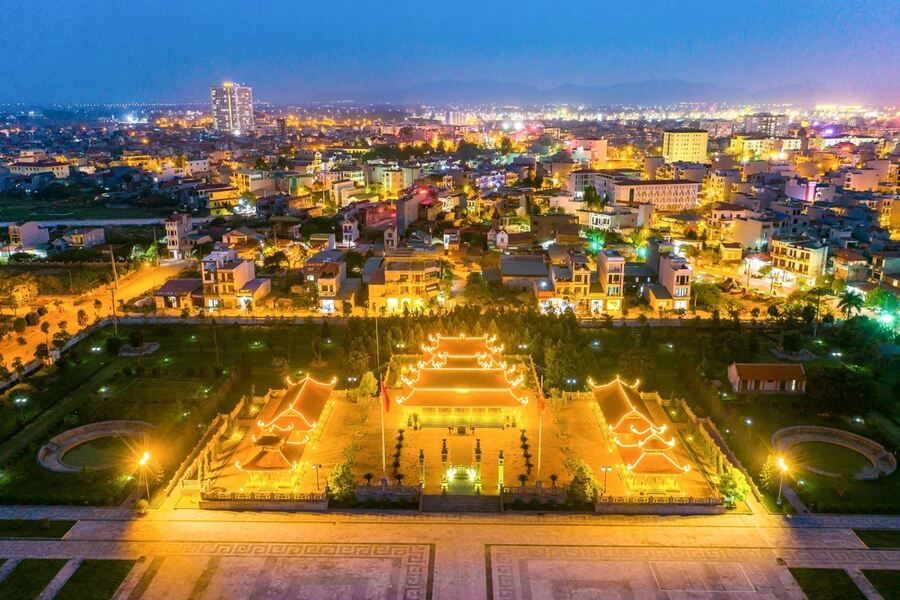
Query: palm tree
[(849, 302)]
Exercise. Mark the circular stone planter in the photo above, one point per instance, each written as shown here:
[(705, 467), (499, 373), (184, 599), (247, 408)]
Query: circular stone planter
[(880, 460), (51, 454)]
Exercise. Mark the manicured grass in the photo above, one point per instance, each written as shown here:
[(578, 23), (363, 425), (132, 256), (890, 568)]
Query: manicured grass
[(98, 453), (886, 581), (29, 578), (95, 580), (829, 457), (879, 538), (826, 584), (174, 389), (43, 528)]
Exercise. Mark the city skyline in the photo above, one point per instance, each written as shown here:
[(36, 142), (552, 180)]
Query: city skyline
[(752, 50)]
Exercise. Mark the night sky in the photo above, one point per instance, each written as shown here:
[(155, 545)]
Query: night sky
[(134, 50)]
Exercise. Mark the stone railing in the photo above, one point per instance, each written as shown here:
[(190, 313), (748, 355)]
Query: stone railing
[(672, 505), (531, 494), (261, 500), (390, 493)]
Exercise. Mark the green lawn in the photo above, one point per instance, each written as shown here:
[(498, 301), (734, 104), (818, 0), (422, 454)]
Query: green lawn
[(879, 538), (15, 208), (174, 389), (29, 578), (99, 452), (829, 457), (43, 528), (95, 580), (826, 584), (886, 581)]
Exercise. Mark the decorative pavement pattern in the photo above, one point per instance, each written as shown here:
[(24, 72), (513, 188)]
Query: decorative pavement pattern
[(238, 570), (537, 572)]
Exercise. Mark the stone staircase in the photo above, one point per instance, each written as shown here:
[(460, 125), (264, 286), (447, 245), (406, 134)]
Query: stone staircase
[(460, 503)]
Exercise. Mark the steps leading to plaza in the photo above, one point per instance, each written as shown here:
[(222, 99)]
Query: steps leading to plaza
[(460, 503)]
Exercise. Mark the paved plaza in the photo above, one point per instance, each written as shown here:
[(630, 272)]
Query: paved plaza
[(186, 553)]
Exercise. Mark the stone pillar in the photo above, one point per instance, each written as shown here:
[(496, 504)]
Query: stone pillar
[(500, 461), (444, 465), (478, 466), (421, 468)]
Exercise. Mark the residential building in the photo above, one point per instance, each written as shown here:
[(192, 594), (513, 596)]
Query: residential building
[(685, 145), (219, 199), (675, 275), (232, 108), (28, 234), (753, 232), (406, 278), (230, 282), (773, 378), (84, 237), (664, 195), (60, 170), (611, 279), (767, 124), (848, 265), (350, 231), (799, 259)]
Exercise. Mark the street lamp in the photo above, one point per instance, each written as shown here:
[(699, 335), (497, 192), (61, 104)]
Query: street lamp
[(782, 466), (316, 469), (142, 463), (605, 471), (748, 422)]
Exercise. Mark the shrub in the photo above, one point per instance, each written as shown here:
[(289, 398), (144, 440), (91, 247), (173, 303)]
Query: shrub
[(113, 345)]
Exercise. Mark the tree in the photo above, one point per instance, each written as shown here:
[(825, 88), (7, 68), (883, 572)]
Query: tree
[(23, 294), (733, 484), (591, 198), (354, 261), (792, 341), (836, 389), (707, 296), (368, 385), (505, 146), (82, 317), (45, 327), (849, 303), (42, 352), (583, 488), (881, 300), (341, 485), (97, 306), (261, 164), (19, 325), (276, 260)]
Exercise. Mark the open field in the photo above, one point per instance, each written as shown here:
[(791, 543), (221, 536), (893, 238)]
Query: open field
[(826, 584)]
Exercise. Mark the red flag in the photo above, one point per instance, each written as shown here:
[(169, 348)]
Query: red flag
[(385, 397)]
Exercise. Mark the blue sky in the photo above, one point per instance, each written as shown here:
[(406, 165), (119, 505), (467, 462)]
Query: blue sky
[(130, 50)]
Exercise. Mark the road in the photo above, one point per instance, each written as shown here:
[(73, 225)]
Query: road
[(135, 284), (188, 553)]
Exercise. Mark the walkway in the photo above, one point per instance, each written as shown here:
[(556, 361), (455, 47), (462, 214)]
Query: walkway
[(192, 553)]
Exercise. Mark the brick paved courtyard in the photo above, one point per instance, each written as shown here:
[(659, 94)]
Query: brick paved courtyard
[(198, 554)]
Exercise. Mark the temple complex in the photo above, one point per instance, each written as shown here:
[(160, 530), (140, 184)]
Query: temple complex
[(462, 382), (285, 425), (638, 431)]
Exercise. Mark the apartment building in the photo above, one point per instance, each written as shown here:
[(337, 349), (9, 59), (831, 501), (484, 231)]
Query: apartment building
[(232, 108), (406, 278), (664, 195), (219, 198), (799, 259), (611, 279), (685, 145), (178, 226)]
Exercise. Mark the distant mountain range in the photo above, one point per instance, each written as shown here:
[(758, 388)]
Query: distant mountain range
[(649, 92)]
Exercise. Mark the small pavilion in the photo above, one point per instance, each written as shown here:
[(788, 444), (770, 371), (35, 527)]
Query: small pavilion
[(645, 446), (462, 381), (284, 427)]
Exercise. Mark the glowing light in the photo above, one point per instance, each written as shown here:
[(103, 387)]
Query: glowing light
[(782, 464), (145, 458)]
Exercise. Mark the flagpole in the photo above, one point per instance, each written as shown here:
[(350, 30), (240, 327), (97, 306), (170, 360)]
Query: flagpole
[(381, 395), (540, 426)]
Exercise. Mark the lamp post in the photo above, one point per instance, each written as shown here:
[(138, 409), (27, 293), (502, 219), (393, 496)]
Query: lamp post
[(316, 469), (606, 471), (142, 463), (782, 466), (748, 422)]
